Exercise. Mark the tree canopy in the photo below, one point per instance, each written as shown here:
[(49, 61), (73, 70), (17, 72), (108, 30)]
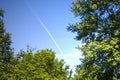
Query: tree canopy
[(5, 42), (6, 52), (41, 65), (99, 29)]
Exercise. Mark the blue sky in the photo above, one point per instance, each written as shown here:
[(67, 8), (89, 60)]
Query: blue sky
[(22, 21)]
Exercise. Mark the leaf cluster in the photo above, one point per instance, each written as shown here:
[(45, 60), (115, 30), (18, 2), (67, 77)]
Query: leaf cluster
[(99, 30)]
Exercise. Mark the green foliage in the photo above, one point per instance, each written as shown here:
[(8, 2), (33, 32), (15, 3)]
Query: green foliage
[(41, 65), (6, 53), (5, 42), (99, 29)]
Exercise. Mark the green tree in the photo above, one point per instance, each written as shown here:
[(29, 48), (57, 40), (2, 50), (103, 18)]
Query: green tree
[(6, 53), (99, 30), (41, 65)]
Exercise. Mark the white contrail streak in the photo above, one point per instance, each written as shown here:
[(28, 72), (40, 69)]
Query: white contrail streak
[(45, 28)]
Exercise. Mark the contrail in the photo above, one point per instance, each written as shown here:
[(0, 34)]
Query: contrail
[(45, 28), (53, 39)]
